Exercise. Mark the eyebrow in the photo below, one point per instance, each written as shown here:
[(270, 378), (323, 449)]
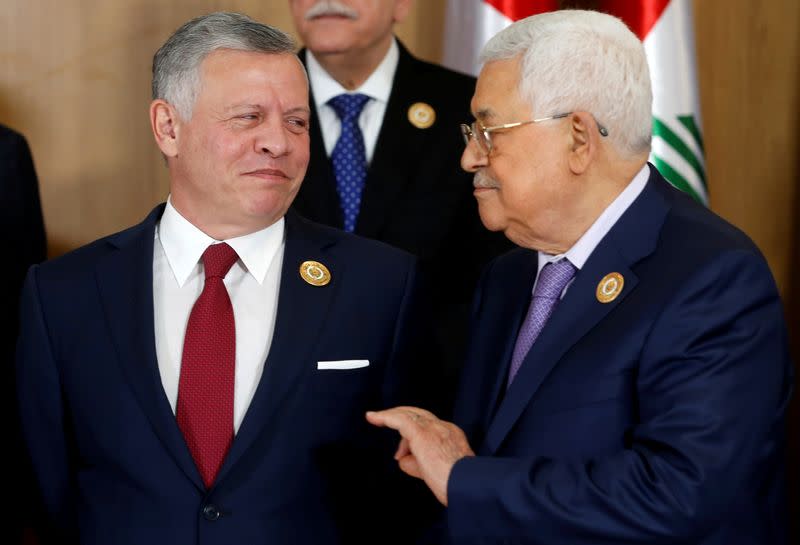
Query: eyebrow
[(485, 113), (241, 107), (299, 109)]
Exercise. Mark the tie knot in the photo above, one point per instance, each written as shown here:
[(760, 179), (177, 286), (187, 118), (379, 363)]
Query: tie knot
[(553, 278), (348, 106), (218, 259)]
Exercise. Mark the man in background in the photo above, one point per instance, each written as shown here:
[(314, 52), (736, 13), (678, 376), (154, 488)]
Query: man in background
[(628, 375), (384, 153), (202, 377), (22, 222)]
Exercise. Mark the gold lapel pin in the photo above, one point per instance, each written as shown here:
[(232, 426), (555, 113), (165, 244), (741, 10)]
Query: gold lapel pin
[(610, 287), (315, 273), (421, 115)]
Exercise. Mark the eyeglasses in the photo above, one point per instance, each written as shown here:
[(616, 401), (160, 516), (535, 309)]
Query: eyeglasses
[(483, 136)]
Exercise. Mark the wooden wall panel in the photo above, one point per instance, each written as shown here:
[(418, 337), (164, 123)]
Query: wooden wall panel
[(749, 65)]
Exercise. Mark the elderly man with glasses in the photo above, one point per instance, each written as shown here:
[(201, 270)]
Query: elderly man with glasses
[(628, 375)]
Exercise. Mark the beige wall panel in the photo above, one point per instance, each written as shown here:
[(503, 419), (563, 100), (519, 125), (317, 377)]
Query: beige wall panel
[(423, 30), (749, 65)]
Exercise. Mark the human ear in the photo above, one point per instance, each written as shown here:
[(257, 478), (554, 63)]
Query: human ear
[(583, 141), (164, 122), (401, 9)]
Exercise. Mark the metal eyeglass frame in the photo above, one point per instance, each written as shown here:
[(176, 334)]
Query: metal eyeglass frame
[(471, 130)]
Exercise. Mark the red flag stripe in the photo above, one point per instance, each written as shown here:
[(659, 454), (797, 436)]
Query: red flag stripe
[(519, 9), (639, 15)]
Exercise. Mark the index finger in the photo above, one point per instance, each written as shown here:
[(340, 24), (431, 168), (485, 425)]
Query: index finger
[(401, 419)]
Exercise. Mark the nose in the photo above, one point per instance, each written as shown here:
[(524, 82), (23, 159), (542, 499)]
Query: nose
[(473, 157), (272, 138)]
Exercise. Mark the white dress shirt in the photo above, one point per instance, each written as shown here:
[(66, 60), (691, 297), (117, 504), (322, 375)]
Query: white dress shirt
[(585, 245), (378, 87), (252, 285)]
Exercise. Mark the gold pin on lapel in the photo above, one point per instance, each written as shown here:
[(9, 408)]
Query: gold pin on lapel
[(610, 287), (421, 115), (315, 273)]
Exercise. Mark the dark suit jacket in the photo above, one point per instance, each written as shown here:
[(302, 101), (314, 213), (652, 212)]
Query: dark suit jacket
[(25, 244), (655, 418), (416, 197), (304, 467)]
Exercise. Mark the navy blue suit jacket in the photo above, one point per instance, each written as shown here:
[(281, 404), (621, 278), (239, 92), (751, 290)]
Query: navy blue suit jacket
[(304, 467), (655, 418), (24, 245)]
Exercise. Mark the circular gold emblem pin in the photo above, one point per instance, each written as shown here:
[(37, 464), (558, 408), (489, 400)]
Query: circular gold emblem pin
[(421, 115), (610, 287), (315, 273)]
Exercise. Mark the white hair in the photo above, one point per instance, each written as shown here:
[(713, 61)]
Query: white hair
[(575, 60)]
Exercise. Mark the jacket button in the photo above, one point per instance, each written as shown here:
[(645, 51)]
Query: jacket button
[(210, 512)]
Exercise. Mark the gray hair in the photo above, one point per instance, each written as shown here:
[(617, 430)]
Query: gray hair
[(575, 60), (176, 65)]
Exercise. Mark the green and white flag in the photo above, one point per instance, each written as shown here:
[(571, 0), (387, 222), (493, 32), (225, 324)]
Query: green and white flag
[(667, 30)]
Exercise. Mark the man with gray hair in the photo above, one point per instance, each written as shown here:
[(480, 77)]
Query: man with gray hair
[(202, 377), (628, 375)]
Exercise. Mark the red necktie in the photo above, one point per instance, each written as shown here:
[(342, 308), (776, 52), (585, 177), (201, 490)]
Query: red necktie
[(205, 389)]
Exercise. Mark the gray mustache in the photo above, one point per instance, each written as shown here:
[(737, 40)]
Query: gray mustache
[(484, 181), (330, 7)]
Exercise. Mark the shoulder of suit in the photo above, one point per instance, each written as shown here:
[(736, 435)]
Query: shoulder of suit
[(10, 137), (699, 230), (433, 79), (86, 256), (442, 73), (355, 245)]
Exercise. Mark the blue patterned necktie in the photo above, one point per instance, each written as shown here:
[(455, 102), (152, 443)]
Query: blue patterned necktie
[(553, 278), (349, 156)]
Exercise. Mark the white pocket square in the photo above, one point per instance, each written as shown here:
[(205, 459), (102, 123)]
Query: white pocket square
[(342, 364)]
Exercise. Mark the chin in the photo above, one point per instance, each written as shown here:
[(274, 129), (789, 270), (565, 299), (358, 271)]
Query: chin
[(492, 221), (336, 43)]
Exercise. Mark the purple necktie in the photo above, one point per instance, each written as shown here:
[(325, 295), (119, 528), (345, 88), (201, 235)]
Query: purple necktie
[(553, 278)]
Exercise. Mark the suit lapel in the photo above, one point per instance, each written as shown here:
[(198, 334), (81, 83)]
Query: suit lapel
[(502, 331), (302, 312), (397, 150), (632, 238), (125, 283)]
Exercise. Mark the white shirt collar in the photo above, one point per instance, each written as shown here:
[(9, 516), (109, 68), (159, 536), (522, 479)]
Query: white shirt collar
[(378, 85), (582, 249), (184, 245)]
